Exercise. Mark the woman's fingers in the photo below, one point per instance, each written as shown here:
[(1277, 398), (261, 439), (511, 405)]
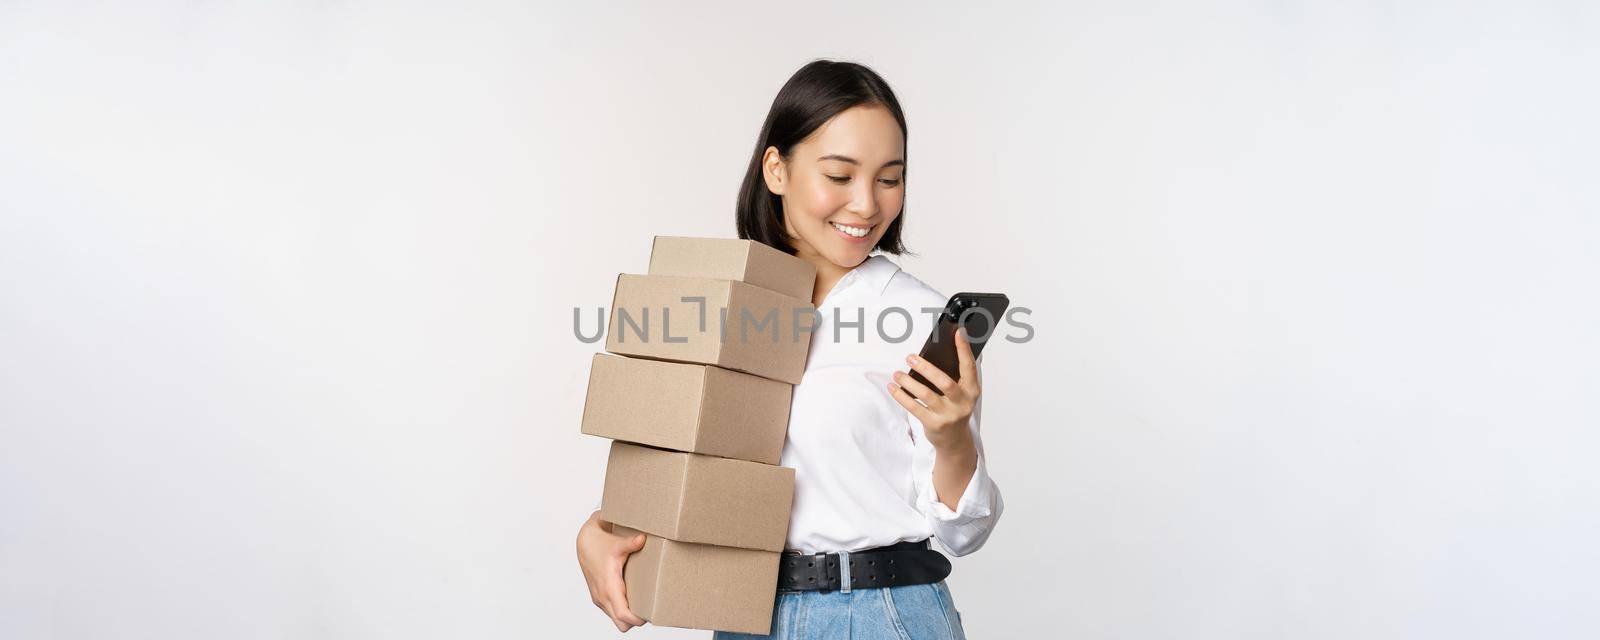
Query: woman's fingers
[(605, 605), (904, 397), (603, 567), (967, 364), (916, 389), (602, 597), (939, 378), (616, 599), (617, 591), (620, 613)]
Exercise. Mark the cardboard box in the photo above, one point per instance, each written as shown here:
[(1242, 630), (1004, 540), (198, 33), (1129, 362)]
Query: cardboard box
[(695, 498), (743, 260), (725, 323), (701, 586), (687, 407)]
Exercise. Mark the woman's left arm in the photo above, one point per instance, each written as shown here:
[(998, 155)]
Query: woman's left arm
[(954, 490)]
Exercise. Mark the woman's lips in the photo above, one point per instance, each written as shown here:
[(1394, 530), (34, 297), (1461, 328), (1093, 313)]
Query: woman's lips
[(866, 232)]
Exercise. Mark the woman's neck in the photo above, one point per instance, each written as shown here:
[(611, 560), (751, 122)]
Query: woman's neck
[(828, 275)]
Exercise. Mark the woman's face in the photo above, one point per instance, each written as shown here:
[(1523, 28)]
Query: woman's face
[(842, 185)]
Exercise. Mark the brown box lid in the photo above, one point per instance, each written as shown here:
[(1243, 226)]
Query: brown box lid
[(726, 323), (701, 586), (729, 259), (687, 407), (695, 498)]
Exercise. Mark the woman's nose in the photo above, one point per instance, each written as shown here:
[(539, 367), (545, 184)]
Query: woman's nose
[(863, 202)]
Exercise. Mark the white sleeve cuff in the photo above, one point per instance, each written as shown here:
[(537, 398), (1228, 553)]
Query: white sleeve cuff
[(975, 499), (964, 529)]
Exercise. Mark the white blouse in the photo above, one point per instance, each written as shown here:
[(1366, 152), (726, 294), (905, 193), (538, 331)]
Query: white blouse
[(863, 467)]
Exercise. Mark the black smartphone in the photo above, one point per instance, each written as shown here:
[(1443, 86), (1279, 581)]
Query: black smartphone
[(979, 313)]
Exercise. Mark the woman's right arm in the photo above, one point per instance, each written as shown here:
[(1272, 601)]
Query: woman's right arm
[(602, 554)]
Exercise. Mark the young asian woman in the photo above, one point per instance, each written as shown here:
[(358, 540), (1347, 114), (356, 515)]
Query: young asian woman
[(883, 464)]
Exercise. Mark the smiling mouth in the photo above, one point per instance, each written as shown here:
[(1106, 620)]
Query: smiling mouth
[(854, 232)]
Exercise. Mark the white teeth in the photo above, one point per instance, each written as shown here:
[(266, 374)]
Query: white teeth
[(853, 231)]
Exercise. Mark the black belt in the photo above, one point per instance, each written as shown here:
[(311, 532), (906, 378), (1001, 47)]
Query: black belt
[(896, 565)]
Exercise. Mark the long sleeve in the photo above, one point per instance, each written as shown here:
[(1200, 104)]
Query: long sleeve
[(963, 530)]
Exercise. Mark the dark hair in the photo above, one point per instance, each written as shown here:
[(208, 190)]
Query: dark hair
[(814, 94)]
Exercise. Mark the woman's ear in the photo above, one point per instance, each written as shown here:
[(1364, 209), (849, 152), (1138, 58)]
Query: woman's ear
[(774, 170)]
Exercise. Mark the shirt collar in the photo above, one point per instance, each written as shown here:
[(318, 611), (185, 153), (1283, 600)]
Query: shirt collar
[(873, 273)]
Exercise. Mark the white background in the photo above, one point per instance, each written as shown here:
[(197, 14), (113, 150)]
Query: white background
[(286, 304)]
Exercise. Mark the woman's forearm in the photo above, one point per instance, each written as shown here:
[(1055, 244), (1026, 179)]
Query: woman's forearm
[(953, 466)]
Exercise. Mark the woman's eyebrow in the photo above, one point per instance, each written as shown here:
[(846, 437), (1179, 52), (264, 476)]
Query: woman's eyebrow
[(835, 156)]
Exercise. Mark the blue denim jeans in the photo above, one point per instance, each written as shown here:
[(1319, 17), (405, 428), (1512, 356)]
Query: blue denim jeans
[(911, 612)]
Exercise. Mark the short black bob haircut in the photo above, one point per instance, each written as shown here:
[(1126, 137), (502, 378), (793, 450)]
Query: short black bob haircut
[(817, 92)]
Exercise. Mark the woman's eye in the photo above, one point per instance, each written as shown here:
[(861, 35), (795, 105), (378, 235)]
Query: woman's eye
[(890, 182), (839, 179)]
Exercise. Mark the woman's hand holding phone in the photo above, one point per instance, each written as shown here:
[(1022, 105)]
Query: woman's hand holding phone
[(944, 417)]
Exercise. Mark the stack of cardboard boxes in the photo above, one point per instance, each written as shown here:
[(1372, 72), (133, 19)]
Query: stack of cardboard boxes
[(696, 399)]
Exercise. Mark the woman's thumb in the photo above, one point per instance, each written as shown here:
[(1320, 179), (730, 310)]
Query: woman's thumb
[(636, 543)]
